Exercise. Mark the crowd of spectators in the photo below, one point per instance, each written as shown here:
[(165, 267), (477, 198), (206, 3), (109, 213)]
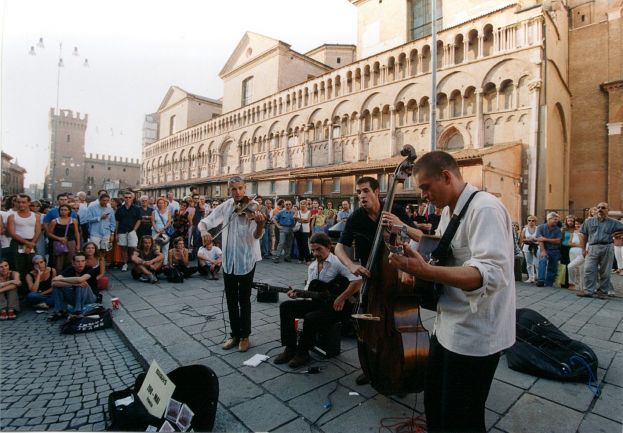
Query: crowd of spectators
[(577, 254), (56, 257)]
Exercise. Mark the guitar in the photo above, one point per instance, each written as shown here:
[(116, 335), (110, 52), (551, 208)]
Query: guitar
[(318, 290)]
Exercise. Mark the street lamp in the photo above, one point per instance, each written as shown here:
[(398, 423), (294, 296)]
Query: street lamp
[(60, 64)]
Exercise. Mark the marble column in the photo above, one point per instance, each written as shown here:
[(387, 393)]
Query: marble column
[(330, 149), (533, 144), (392, 131), (479, 139)]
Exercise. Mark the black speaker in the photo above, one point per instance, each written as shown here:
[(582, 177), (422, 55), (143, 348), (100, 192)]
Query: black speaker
[(328, 343), (264, 294)]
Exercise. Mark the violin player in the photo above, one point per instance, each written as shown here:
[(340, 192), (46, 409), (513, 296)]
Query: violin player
[(361, 227), (317, 314), (243, 227), (476, 311)]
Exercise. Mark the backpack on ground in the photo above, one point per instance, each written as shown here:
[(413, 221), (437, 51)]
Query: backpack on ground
[(195, 385), (92, 318)]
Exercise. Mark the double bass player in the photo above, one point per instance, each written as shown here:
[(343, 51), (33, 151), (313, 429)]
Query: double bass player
[(360, 229), (476, 311)]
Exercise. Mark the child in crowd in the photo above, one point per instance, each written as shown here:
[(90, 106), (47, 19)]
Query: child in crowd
[(210, 258)]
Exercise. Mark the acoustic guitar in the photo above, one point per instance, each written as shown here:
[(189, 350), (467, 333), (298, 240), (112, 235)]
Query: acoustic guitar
[(317, 290)]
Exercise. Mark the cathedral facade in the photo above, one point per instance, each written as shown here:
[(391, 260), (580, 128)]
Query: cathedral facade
[(300, 125)]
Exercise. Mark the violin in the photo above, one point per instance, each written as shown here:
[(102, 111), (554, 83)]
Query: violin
[(247, 205)]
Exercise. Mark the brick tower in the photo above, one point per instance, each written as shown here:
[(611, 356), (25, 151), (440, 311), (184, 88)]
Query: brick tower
[(66, 169)]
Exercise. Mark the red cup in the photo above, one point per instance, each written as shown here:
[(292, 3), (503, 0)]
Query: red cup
[(115, 303)]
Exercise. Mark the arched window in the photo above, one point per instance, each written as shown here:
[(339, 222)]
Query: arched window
[(247, 91), (172, 125)]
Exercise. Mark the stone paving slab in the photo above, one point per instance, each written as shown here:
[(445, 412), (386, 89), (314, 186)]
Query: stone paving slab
[(180, 324), (52, 381)]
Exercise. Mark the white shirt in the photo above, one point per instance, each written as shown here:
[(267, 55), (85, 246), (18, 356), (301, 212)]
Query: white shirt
[(240, 248), (174, 206), (480, 322), (209, 255), (25, 226), (305, 227), (5, 240), (331, 268)]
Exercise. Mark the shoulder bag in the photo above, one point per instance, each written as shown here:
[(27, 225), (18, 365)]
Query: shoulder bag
[(59, 247)]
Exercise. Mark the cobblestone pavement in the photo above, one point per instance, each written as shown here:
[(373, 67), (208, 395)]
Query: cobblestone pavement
[(51, 381), (180, 324)]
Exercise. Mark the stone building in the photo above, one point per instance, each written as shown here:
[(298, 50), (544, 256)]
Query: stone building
[(503, 107), (71, 170), (12, 176)]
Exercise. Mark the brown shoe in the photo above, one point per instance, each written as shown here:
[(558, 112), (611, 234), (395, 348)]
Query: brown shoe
[(244, 344), (299, 360), (585, 294), (285, 356), (230, 343)]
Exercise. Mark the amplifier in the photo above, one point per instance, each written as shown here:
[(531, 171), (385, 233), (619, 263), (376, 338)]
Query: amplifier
[(264, 294), (328, 343)]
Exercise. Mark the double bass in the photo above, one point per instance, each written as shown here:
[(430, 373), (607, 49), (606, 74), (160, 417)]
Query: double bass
[(393, 344)]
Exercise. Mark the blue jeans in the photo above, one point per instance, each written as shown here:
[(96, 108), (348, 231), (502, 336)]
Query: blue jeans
[(548, 266), (76, 296), (35, 298), (265, 241)]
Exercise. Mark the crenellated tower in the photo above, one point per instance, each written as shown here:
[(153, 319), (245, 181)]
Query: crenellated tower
[(66, 168)]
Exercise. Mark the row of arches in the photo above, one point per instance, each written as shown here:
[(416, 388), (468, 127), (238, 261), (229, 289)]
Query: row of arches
[(406, 61)]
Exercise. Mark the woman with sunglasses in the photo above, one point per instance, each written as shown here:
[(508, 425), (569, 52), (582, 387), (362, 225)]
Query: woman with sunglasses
[(530, 248), (39, 282)]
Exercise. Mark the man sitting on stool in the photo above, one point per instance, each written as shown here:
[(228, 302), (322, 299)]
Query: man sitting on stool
[(318, 315)]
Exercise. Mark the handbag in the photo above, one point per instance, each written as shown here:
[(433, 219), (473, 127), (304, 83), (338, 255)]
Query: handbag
[(175, 275), (59, 247), (170, 231), (428, 292)]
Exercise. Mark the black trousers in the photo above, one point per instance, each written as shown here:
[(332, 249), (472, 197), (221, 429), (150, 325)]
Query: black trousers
[(456, 390), (238, 294), (302, 240), (316, 316)]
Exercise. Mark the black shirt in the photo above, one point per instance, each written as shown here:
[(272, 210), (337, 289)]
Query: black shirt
[(71, 272), (361, 229), (127, 218)]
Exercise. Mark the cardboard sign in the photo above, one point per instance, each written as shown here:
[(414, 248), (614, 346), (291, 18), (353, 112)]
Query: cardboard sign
[(156, 390)]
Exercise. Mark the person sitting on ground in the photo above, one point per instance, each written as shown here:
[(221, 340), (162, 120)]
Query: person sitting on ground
[(318, 315), (72, 288), (96, 261), (210, 259), (147, 261), (9, 282), (178, 259), (39, 282)]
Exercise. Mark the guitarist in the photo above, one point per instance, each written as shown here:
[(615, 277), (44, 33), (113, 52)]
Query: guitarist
[(476, 311), (318, 315)]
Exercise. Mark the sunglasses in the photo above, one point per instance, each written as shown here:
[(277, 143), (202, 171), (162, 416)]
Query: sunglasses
[(602, 207), (531, 220)]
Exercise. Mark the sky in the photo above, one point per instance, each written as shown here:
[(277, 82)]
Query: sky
[(136, 50)]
